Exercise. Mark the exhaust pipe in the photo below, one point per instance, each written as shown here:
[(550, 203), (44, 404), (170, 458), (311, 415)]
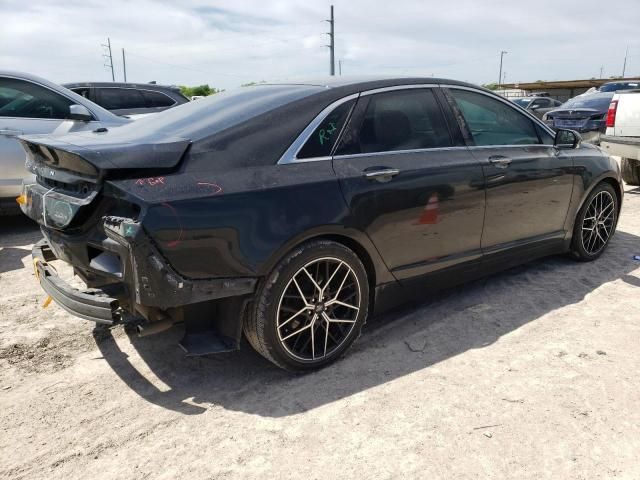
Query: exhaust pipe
[(151, 328)]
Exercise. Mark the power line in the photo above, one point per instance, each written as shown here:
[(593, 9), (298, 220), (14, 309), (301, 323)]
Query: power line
[(110, 65)]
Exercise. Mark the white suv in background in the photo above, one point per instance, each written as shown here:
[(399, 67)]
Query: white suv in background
[(29, 105), (622, 137)]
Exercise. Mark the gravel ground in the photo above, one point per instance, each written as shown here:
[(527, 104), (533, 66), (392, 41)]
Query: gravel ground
[(532, 373)]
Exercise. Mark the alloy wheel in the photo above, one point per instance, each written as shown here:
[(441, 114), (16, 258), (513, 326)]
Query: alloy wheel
[(318, 309), (598, 223)]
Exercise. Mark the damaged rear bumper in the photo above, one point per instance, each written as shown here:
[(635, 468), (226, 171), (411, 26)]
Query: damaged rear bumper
[(132, 279), (91, 304)]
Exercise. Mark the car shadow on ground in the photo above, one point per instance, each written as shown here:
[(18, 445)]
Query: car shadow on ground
[(397, 344), (16, 230)]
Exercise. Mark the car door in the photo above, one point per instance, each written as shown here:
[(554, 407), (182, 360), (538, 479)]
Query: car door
[(529, 182), (410, 183), (26, 108)]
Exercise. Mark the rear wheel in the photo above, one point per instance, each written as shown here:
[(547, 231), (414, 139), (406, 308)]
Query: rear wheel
[(595, 223), (630, 171), (311, 307)]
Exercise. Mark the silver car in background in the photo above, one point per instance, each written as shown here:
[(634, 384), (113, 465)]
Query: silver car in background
[(32, 105)]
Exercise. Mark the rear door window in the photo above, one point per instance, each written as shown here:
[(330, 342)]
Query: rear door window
[(157, 99), (492, 122), (121, 98), (399, 120), (19, 98)]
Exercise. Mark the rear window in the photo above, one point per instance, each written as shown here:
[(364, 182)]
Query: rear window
[(597, 102), (215, 113)]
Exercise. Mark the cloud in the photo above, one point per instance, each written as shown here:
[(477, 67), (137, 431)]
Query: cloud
[(229, 43)]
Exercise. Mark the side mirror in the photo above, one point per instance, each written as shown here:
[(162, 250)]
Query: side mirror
[(567, 139), (79, 112)]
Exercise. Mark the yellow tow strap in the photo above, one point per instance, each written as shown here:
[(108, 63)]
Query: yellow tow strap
[(35, 268), (47, 300)]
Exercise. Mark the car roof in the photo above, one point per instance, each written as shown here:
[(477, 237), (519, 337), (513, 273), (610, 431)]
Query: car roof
[(146, 86), (364, 81)]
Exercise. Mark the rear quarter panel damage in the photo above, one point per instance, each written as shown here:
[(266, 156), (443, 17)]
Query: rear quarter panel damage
[(240, 222)]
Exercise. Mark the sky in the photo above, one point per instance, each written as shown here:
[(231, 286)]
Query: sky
[(228, 43)]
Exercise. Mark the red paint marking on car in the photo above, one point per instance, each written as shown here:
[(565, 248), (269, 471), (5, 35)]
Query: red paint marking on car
[(215, 188), (176, 242), (430, 213)]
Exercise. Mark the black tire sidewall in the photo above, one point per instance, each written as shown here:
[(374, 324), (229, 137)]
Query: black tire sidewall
[(630, 171), (577, 248), (278, 281)]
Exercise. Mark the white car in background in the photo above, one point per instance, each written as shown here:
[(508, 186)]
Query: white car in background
[(32, 105)]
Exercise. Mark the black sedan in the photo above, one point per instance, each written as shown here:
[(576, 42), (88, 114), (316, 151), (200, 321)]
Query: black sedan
[(586, 114), (293, 213)]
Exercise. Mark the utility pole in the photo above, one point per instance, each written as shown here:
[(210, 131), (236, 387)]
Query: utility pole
[(500, 74), (124, 66), (601, 70), (110, 65), (624, 65), (339, 67), (332, 45)]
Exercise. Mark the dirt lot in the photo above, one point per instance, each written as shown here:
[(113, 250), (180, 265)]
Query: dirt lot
[(528, 374)]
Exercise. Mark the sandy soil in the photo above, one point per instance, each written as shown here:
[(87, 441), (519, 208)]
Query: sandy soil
[(528, 374)]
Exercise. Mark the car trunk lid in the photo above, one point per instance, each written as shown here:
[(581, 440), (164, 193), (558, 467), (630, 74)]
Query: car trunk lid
[(70, 171)]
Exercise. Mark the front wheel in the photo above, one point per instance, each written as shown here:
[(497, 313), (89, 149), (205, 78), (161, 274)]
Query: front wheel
[(310, 308), (595, 224)]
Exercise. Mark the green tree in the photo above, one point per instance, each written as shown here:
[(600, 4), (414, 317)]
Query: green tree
[(199, 90)]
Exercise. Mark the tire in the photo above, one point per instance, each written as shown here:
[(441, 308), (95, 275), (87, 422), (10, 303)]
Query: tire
[(595, 223), (631, 171), (289, 326)]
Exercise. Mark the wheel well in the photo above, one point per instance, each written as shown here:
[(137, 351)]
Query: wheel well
[(359, 250), (617, 188)]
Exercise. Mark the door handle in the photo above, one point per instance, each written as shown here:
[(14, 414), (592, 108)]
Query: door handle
[(10, 133), (381, 174), (500, 161)]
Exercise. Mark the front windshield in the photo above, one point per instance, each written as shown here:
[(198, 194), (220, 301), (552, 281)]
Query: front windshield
[(523, 102), (595, 102)]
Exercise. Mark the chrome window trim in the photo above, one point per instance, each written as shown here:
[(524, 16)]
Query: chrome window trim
[(291, 154), (506, 102), (399, 87), (397, 152)]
